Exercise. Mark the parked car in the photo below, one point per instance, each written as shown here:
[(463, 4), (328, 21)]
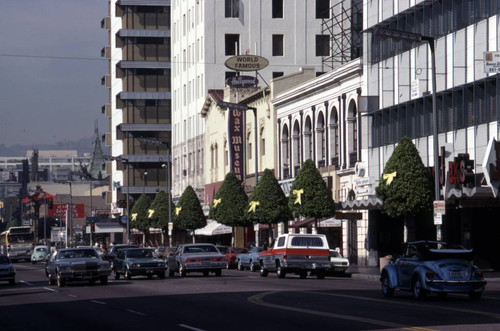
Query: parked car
[(163, 252), (250, 259), (40, 253), (338, 264), (203, 258), (110, 253), (7, 270), (231, 254), (223, 249), (433, 267), (99, 250), (76, 264), (138, 262)]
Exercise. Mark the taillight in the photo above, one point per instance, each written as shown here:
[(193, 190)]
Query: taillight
[(193, 260), (285, 257), (429, 274), (478, 274)]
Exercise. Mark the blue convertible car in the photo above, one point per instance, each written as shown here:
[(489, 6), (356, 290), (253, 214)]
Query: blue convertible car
[(250, 259), (433, 267)]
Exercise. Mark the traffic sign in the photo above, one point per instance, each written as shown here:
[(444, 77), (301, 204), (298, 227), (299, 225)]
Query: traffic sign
[(91, 219), (230, 105)]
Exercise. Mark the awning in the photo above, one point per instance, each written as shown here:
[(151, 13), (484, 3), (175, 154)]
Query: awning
[(101, 227), (213, 228), (304, 223)]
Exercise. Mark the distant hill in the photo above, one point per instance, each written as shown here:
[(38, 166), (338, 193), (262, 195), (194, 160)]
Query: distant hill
[(83, 145)]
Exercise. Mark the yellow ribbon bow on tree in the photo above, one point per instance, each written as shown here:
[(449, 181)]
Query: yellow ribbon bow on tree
[(177, 210), (389, 177), (299, 193), (134, 216), (151, 212), (253, 204), (216, 202)]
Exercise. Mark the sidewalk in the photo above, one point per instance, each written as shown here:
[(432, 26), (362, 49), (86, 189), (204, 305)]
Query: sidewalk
[(373, 273)]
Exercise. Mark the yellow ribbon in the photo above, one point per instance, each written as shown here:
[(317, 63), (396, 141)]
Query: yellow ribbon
[(298, 200), (389, 177), (253, 204), (134, 216), (177, 210), (216, 202), (151, 212)]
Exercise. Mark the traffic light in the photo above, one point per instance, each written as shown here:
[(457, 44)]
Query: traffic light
[(50, 203), (92, 227)]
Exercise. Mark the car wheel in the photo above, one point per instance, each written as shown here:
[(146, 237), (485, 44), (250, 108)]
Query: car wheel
[(228, 265), (128, 275), (182, 271), (92, 281), (475, 295), (218, 273), (12, 282), (240, 266), (303, 274), (387, 291), (33, 262), (263, 271), (60, 281), (280, 271), (161, 274), (150, 276), (418, 291), (104, 280), (252, 266), (205, 273), (117, 275), (320, 274), (170, 273)]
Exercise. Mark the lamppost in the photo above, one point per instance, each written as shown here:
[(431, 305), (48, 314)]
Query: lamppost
[(169, 190), (144, 182), (127, 196), (416, 37)]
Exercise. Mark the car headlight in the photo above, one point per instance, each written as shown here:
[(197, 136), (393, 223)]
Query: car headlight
[(161, 264), (135, 265), (66, 268)]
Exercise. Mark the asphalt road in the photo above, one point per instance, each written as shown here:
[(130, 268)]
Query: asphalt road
[(239, 300)]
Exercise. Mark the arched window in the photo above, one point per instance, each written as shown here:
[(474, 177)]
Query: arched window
[(296, 148), (308, 141), (352, 132), (285, 152), (334, 137), (320, 140)]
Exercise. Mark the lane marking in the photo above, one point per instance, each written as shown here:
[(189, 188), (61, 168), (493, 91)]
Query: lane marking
[(419, 305), (98, 302), (189, 327), (72, 295), (135, 312), (258, 299), (49, 289), (24, 282)]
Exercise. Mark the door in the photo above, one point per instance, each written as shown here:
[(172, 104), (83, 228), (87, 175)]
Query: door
[(352, 241)]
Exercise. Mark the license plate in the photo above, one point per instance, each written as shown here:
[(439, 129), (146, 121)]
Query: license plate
[(455, 274)]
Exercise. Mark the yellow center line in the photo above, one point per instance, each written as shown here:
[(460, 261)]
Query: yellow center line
[(419, 305), (258, 299)]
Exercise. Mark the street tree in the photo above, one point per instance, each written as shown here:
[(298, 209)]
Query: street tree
[(139, 216), (309, 195), (159, 218), (230, 203), (405, 186), (189, 214), (268, 204)]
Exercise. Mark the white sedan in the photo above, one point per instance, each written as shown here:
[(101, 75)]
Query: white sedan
[(337, 262)]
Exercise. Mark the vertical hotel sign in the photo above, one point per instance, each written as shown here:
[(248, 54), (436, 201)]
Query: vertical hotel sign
[(236, 139)]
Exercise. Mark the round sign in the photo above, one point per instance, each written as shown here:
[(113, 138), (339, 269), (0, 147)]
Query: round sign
[(246, 62)]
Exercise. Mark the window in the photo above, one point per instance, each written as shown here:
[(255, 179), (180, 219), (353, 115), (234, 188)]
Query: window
[(281, 242), (232, 43), (277, 45), (322, 8), (230, 74), (277, 9), (322, 45), (277, 74), (307, 241), (232, 8)]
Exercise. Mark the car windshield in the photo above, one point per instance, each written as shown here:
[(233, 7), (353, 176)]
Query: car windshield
[(4, 260), (78, 253), (139, 253), (200, 249), (41, 249), (334, 254), (223, 250)]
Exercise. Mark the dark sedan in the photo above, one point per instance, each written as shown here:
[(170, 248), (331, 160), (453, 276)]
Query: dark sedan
[(138, 262), (76, 264), (203, 258)]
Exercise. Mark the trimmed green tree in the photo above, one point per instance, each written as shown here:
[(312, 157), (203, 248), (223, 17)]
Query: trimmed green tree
[(309, 195), (405, 187), (139, 216), (268, 204), (230, 203), (159, 218), (189, 214)]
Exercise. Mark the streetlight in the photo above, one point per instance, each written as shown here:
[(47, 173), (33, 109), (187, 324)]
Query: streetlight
[(169, 190), (416, 37), (144, 182), (128, 218)]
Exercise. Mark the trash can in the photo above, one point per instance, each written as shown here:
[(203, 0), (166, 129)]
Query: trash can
[(383, 261)]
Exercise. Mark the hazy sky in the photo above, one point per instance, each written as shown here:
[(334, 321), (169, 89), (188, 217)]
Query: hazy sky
[(51, 70)]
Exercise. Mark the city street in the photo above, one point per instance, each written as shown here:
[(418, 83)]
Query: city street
[(238, 300)]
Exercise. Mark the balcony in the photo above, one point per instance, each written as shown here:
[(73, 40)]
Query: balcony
[(106, 81), (106, 23)]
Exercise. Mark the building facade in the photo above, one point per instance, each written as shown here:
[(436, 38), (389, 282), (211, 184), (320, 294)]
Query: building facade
[(398, 82), (139, 105), (205, 34)]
